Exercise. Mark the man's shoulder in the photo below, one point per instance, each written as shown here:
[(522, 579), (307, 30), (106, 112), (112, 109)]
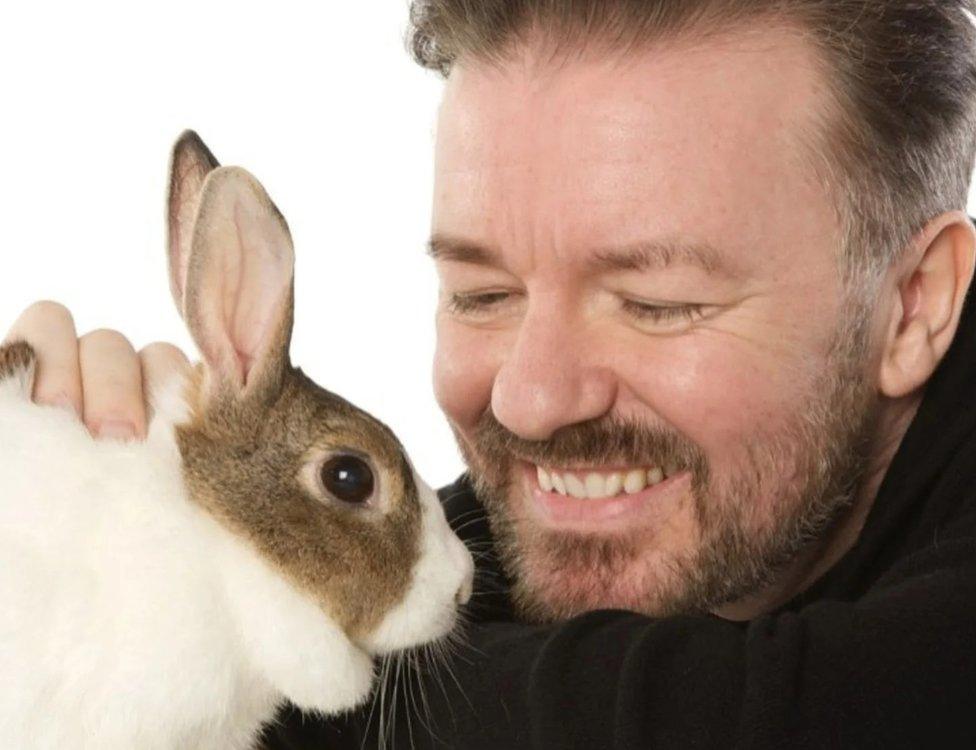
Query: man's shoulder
[(459, 494)]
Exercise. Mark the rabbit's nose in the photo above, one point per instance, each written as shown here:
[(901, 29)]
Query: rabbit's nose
[(463, 594)]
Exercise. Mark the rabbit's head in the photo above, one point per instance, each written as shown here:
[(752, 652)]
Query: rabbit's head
[(320, 489)]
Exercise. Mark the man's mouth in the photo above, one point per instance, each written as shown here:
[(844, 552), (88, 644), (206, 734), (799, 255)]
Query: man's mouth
[(598, 484), (603, 499)]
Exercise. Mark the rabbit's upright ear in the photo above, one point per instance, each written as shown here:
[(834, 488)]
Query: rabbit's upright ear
[(239, 296), (190, 163)]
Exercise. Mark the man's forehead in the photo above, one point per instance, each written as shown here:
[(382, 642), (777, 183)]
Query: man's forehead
[(644, 148), (732, 89)]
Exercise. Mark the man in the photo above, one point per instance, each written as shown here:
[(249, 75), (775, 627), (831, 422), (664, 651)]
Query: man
[(705, 343)]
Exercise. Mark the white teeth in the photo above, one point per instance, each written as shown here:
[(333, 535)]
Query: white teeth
[(595, 486), (574, 486), (635, 480), (544, 481), (558, 484)]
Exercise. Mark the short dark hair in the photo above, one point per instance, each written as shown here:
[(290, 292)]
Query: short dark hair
[(897, 147)]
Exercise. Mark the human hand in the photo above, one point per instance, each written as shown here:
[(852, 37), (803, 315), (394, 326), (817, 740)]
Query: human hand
[(99, 375)]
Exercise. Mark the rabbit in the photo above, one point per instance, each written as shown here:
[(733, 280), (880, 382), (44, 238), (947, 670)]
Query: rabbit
[(264, 542)]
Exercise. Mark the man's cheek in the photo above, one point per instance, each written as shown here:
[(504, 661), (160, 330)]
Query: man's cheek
[(716, 395), (465, 364)]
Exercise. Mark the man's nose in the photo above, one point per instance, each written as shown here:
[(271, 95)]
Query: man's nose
[(550, 379)]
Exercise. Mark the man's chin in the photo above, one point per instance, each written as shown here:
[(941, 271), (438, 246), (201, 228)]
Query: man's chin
[(559, 574), (547, 594)]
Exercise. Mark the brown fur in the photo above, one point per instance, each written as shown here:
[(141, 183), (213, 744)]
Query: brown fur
[(242, 463), (16, 356), (251, 442)]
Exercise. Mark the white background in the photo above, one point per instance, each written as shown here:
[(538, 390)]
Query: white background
[(319, 100)]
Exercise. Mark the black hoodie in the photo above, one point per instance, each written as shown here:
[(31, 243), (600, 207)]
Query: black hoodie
[(880, 652)]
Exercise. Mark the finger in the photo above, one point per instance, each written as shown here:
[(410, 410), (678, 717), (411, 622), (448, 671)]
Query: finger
[(160, 361), (49, 328), (111, 382)]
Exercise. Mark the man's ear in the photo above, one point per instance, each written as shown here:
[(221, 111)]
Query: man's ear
[(932, 283)]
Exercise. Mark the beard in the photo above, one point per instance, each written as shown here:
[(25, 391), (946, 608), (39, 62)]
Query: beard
[(792, 484)]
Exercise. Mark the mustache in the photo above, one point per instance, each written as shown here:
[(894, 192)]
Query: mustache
[(606, 440)]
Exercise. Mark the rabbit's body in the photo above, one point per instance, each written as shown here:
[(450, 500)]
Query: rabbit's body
[(126, 606), (263, 543)]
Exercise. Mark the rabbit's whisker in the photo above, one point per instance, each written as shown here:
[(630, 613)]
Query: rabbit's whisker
[(465, 524)]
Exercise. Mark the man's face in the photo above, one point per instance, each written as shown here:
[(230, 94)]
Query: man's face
[(568, 340)]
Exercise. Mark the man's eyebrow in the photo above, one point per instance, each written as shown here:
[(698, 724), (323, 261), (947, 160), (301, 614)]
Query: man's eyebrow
[(659, 254), (639, 256), (445, 247)]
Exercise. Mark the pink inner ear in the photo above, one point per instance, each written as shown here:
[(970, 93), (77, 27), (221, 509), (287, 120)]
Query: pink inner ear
[(263, 285), (242, 287)]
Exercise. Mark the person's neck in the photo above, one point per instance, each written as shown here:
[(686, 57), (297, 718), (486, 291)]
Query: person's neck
[(821, 555)]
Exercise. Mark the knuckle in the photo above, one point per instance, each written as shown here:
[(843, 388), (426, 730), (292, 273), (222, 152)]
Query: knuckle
[(105, 338)]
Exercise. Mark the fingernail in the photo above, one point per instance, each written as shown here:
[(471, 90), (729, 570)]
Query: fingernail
[(116, 428)]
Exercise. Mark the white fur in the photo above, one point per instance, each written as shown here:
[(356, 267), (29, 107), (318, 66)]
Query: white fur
[(444, 565), (129, 617)]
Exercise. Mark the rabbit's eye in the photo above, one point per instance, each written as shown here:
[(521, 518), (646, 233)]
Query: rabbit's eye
[(348, 478)]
